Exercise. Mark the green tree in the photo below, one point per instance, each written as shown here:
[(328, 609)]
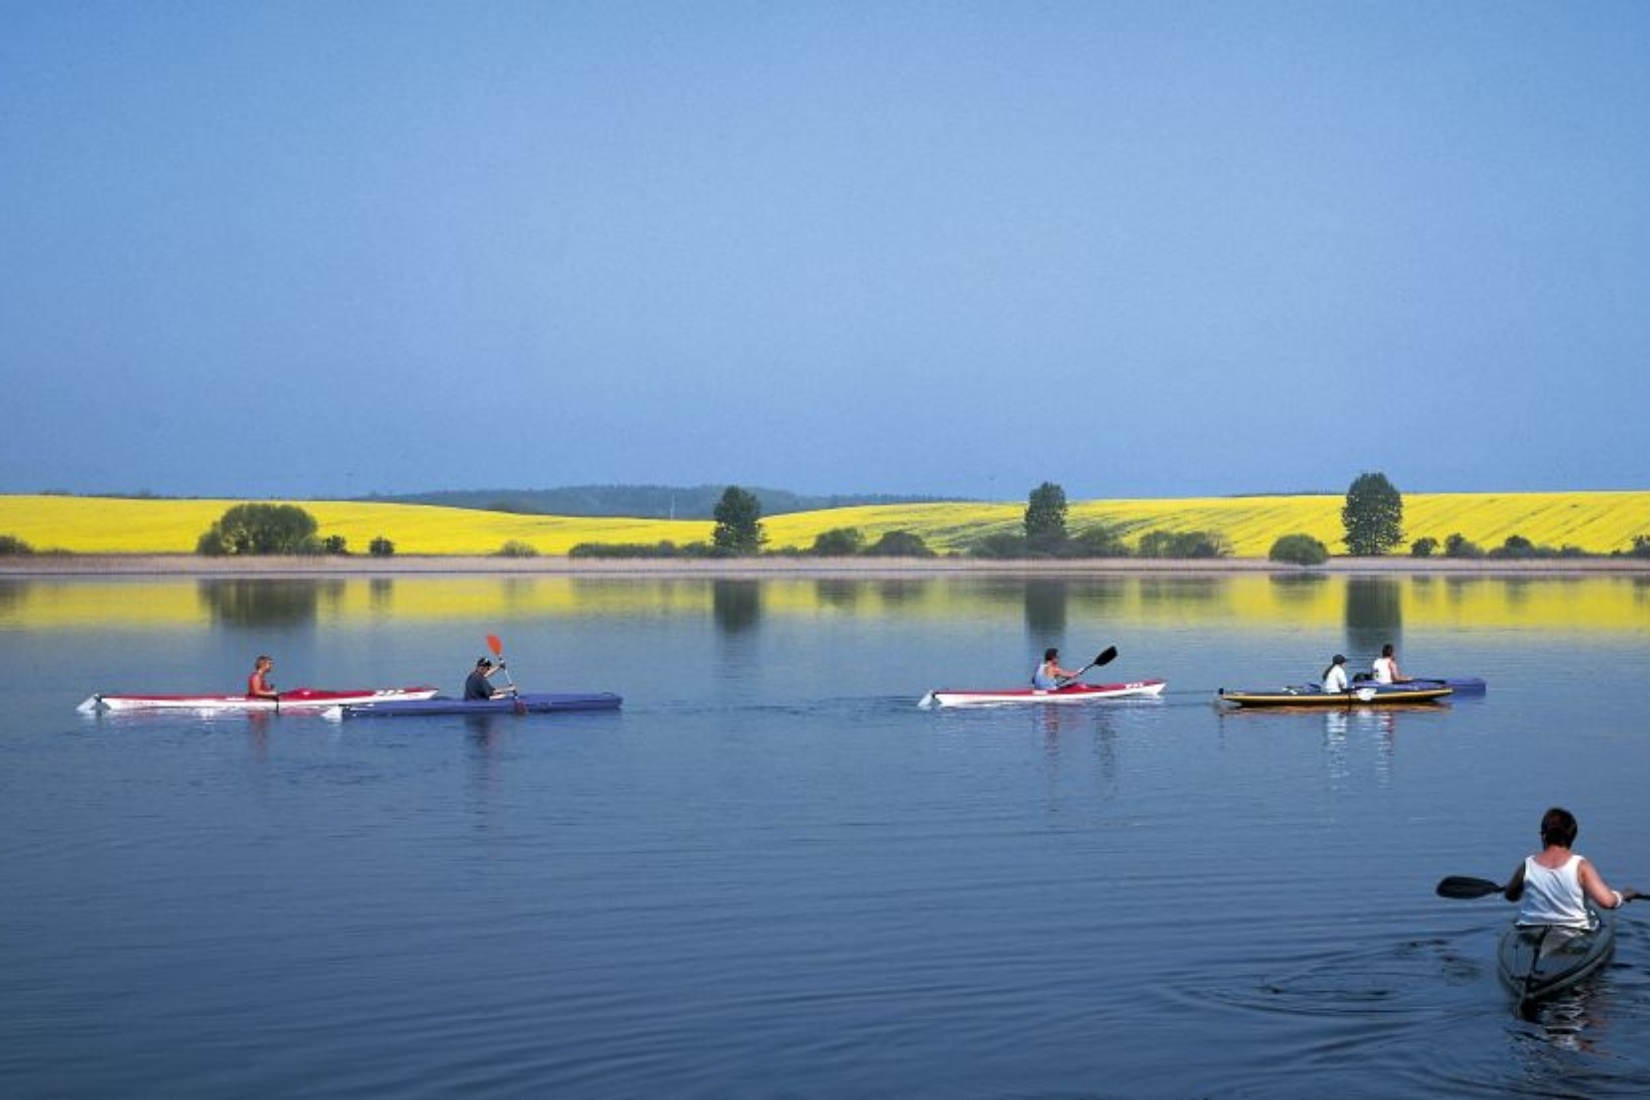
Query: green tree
[(1046, 516), (381, 547), (1098, 541), (515, 548), (999, 546), (1459, 546), (900, 544), (738, 523), (1373, 516), (260, 529), (838, 542), (1184, 544), (1299, 550), (1423, 547), (12, 546)]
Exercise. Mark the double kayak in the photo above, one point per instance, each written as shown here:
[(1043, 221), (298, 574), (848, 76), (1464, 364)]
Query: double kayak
[(311, 699), (542, 703), (1070, 693), (1359, 695), (1537, 961)]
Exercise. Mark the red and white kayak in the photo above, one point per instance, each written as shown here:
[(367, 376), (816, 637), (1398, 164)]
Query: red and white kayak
[(1071, 693), (295, 699)]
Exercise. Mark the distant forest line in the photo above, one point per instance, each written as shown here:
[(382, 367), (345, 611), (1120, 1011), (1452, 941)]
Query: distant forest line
[(642, 501)]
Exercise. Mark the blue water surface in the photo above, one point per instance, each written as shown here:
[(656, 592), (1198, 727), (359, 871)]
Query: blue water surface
[(772, 874)]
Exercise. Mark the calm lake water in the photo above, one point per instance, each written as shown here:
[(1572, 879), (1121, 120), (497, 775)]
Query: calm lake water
[(773, 875)]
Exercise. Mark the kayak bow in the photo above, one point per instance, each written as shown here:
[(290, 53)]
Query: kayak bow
[(1537, 961)]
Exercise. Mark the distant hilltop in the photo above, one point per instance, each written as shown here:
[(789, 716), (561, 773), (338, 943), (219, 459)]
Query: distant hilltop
[(642, 501)]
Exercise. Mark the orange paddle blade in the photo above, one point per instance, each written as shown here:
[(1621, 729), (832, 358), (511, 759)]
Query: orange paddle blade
[(495, 645)]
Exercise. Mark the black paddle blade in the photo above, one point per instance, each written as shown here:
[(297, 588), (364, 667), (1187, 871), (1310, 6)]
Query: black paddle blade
[(1463, 886), (1107, 656)]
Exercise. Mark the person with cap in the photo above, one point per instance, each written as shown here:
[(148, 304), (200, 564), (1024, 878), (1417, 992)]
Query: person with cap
[(479, 685), (1049, 675), (1334, 677)]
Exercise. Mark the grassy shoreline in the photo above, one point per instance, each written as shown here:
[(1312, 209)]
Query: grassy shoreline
[(147, 565)]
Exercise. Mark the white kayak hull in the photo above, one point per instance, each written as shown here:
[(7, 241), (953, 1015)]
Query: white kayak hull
[(1074, 693), (297, 699)]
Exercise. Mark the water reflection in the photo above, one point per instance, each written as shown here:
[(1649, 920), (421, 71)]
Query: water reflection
[(736, 604), (1045, 608), (1374, 615), (1371, 610), (266, 601), (1180, 591), (897, 590), (1299, 589), (837, 592), (12, 594)]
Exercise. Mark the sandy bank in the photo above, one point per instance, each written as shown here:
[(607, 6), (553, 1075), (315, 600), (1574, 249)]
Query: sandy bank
[(115, 565)]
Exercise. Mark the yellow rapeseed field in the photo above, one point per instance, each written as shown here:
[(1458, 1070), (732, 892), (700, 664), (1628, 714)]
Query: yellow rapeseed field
[(1596, 522)]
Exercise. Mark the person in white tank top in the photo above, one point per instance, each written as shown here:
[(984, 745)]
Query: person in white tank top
[(1386, 667), (1554, 886)]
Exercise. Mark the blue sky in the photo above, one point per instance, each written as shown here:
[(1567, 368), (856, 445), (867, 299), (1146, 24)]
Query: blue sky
[(1153, 249)]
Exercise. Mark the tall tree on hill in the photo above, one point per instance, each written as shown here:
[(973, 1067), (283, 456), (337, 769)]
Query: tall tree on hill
[(1373, 516), (1046, 516), (738, 522)]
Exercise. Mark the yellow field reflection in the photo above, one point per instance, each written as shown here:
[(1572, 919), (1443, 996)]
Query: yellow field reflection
[(1606, 604)]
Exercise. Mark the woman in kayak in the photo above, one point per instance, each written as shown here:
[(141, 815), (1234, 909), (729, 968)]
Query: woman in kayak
[(478, 685), (1555, 884), (1334, 677), (1049, 674), (1386, 667), (257, 684)]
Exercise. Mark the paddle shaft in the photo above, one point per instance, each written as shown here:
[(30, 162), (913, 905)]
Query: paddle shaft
[(1105, 657), (497, 646), (1463, 887)]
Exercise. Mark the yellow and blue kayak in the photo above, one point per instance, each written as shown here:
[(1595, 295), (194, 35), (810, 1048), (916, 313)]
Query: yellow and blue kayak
[(1359, 695)]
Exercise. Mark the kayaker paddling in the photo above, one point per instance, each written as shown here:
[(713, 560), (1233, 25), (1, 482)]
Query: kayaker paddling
[(1334, 677), (1049, 675), (1554, 885), (258, 685), (1385, 667), (479, 685)]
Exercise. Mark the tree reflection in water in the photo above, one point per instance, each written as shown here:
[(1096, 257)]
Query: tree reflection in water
[(736, 604), (1374, 616), (266, 601)]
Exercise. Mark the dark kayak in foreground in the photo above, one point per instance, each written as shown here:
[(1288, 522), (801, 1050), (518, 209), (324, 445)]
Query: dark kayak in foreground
[(1360, 695), (544, 703), (1540, 960)]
